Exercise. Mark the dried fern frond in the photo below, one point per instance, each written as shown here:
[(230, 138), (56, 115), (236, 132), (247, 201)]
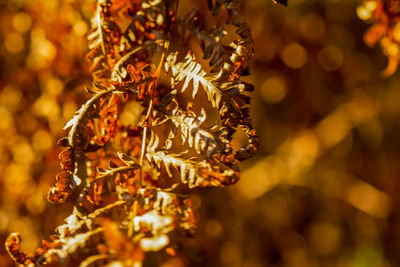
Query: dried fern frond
[(102, 38), (385, 17), (282, 2), (226, 96), (203, 140), (131, 183), (97, 113)]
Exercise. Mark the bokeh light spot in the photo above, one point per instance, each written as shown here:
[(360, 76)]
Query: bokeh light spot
[(22, 22), (42, 140), (80, 28), (312, 27), (6, 119), (330, 58), (294, 56), (273, 90), (14, 42), (213, 228)]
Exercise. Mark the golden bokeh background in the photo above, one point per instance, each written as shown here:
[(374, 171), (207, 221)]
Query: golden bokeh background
[(322, 190)]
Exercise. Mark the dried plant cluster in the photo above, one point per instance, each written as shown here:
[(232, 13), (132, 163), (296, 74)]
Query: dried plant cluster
[(178, 77), (385, 17)]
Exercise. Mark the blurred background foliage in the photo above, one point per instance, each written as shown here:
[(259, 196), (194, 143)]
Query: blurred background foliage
[(322, 190)]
